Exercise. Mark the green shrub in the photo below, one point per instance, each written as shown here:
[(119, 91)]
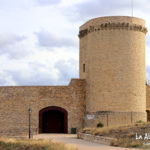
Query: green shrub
[(140, 121), (73, 130), (100, 125)]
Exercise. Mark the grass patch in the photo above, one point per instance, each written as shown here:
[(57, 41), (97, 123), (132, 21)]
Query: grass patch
[(127, 142), (12, 144), (119, 131), (125, 135)]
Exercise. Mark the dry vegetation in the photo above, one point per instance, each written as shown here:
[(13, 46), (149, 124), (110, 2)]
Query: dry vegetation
[(12, 144), (125, 135)]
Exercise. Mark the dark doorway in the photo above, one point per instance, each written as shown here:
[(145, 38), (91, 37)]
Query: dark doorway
[(53, 120), (148, 115)]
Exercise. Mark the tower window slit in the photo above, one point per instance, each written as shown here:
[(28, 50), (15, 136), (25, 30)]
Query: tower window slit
[(83, 67)]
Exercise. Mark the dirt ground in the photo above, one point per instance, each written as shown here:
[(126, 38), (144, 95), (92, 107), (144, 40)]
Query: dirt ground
[(70, 139)]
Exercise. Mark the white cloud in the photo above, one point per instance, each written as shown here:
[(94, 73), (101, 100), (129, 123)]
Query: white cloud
[(6, 78), (9, 39), (67, 70), (41, 44), (148, 72), (38, 67), (15, 46), (48, 2), (47, 39)]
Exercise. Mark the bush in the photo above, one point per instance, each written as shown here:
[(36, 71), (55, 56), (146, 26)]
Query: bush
[(140, 122), (100, 125)]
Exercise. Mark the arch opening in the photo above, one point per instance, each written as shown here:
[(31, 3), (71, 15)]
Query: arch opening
[(53, 119)]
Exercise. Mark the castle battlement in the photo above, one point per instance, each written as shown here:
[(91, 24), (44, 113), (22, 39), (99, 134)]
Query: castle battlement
[(113, 26)]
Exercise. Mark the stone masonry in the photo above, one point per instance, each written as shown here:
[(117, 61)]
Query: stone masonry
[(15, 102)]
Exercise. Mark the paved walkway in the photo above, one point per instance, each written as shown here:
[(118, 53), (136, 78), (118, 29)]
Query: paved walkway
[(80, 144)]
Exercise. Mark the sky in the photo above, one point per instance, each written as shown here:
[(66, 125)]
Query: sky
[(39, 42)]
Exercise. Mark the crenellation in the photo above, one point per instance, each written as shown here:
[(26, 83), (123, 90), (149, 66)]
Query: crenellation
[(112, 26)]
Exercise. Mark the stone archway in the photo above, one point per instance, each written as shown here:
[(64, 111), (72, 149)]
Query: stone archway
[(53, 119)]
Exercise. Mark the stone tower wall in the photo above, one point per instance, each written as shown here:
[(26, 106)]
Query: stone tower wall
[(147, 97), (113, 50)]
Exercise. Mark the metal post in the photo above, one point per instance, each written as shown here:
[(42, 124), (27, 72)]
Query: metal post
[(132, 7), (107, 119), (131, 118), (29, 110)]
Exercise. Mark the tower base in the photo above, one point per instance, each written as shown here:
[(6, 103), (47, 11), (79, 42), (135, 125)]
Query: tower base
[(110, 118)]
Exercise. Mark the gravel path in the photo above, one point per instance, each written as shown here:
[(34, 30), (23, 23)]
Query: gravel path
[(81, 144)]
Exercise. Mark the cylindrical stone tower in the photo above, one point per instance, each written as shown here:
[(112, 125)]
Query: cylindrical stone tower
[(112, 60)]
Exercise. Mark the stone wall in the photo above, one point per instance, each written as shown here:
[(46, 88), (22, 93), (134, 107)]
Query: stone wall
[(15, 101), (96, 139)]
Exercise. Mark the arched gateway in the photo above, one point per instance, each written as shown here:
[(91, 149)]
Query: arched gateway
[(53, 119)]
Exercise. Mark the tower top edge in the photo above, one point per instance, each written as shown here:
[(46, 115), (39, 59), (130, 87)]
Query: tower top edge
[(113, 19)]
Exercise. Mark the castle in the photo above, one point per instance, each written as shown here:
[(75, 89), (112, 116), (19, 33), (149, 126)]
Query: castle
[(111, 86)]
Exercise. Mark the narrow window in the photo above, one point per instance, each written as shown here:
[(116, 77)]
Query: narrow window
[(83, 67)]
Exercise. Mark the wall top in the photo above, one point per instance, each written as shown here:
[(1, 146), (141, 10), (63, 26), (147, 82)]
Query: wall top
[(112, 23), (113, 19)]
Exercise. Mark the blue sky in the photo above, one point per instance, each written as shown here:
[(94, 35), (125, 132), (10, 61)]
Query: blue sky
[(39, 38)]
